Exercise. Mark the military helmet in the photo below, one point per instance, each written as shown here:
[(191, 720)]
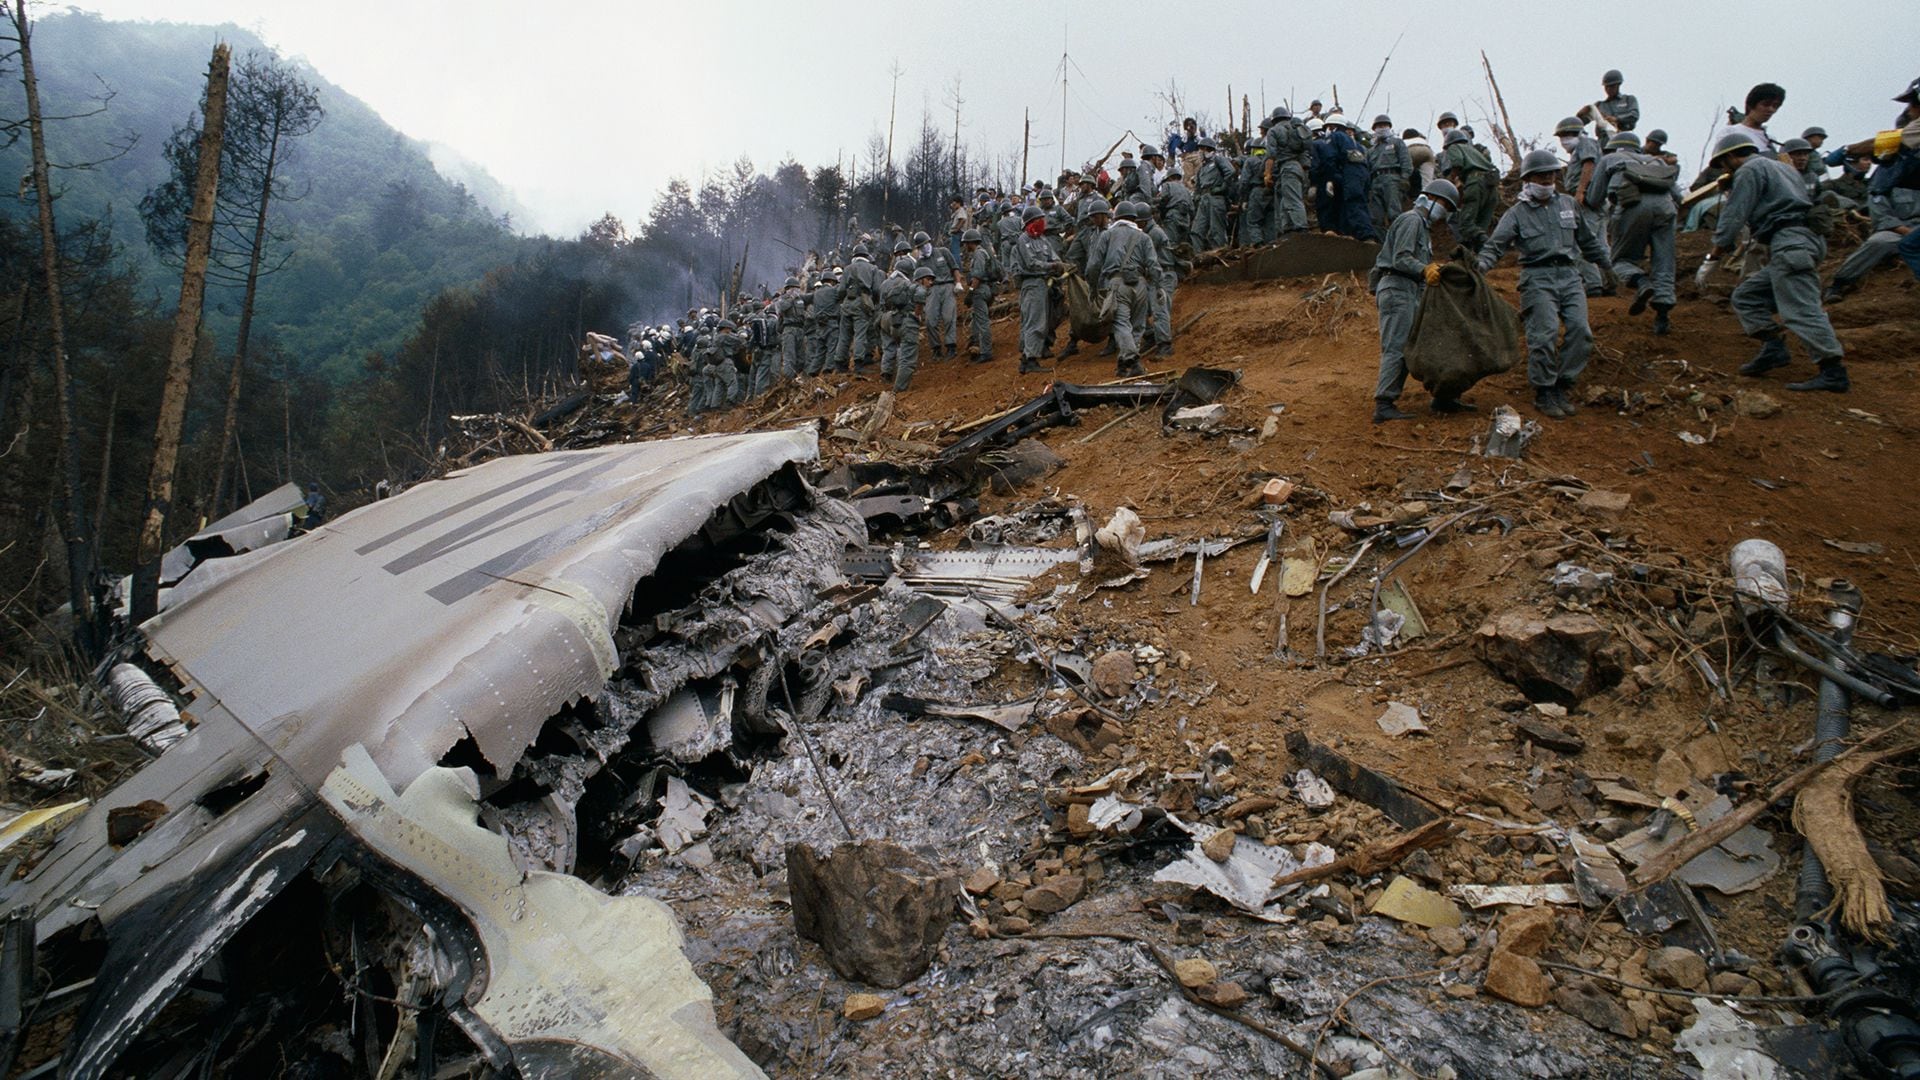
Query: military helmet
[(1611, 78), (727, 324), (1148, 150), (1569, 126), (1625, 140), (1094, 205), (1467, 129), (1444, 189), (925, 270), (1047, 193), (1281, 112), (971, 236), (1794, 146), (1130, 210), (901, 247), (1446, 116), (1383, 118), (921, 237), (905, 264), (860, 252), (1207, 143), (1030, 213), (792, 283), (1540, 161), (1128, 163), (1813, 132), (1732, 143), (1657, 135)]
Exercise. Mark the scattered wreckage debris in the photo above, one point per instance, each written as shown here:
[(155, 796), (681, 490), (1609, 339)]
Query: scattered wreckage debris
[(1062, 402)]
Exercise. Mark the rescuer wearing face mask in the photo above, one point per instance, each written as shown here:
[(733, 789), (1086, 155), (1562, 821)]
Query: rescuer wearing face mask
[(1584, 156), (1550, 236), (1400, 274)]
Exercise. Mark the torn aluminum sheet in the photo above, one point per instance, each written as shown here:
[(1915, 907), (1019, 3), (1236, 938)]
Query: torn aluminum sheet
[(1483, 896), (1740, 863), (1245, 880), (263, 521), (577, 983), (28, 824), (1112, 814), (1002, 573), (689, 725), (683, 816), (1727, 1046), (1312, 790), (475, 606)]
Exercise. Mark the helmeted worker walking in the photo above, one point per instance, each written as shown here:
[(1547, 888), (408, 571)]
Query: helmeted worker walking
[(1550, 235), (1400, 274)]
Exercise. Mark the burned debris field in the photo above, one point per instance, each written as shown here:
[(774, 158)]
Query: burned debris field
[(1184, 725)]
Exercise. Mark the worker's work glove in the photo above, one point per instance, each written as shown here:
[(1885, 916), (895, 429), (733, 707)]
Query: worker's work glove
[(1432, 273), (1707, 266)]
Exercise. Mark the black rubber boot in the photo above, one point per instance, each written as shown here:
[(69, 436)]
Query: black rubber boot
[(1028, 365), (1384, 410), (1773, 354), (1111, 349), (1453, 405), (1641, 298), (1564, 391), (1164, 350), (1661, 324), (1072, 349), (1129, 367), (1547, 401), (1831, 378)]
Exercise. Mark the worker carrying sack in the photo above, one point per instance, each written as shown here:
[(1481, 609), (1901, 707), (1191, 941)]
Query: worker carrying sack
[(1090, 319), (1462, 333)]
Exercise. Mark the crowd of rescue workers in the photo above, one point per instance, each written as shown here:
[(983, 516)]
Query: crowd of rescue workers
[(1600, 219)]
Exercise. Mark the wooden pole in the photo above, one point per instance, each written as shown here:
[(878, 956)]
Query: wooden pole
[(1026, 143), (186, 334)]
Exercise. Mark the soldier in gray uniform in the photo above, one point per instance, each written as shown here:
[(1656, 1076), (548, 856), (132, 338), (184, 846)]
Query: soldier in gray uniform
[(1126, 261), (721, 372), (1256, 216), (1289, 150), (895, 289), (1616, 111), (859, 300), (1891, 210), (1584, 153), (1034, 260), (1081, 254), (1399, 277), (1551, 235), (1211, 187), (1059, 218), (1392, 164), (1161, 317), (1766, 196), (1151, 176), (830, 344), (1642, 197), (792, 310), (1006, 230), (942, 317), (907, 305), (1174, 201), (980, 273)]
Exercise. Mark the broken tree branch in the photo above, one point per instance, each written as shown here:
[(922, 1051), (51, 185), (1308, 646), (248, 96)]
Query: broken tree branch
[(1376, 856), (1823, 813), (1661, 866), (1509, 142)]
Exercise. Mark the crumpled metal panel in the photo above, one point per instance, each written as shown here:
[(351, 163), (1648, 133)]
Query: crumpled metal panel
[(479, 604), (578, 983), (251, 526)]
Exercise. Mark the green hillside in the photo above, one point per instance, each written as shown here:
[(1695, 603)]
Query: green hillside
[(377, 234)]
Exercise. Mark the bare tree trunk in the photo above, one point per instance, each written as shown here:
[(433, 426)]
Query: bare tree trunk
[(106, 474), (186, 334), (72, 523), (221, 495)]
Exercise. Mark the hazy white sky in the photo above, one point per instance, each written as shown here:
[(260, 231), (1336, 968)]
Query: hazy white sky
[(585, 106)]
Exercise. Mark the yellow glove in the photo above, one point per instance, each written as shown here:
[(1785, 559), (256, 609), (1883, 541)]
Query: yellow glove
[(1433, 273)]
